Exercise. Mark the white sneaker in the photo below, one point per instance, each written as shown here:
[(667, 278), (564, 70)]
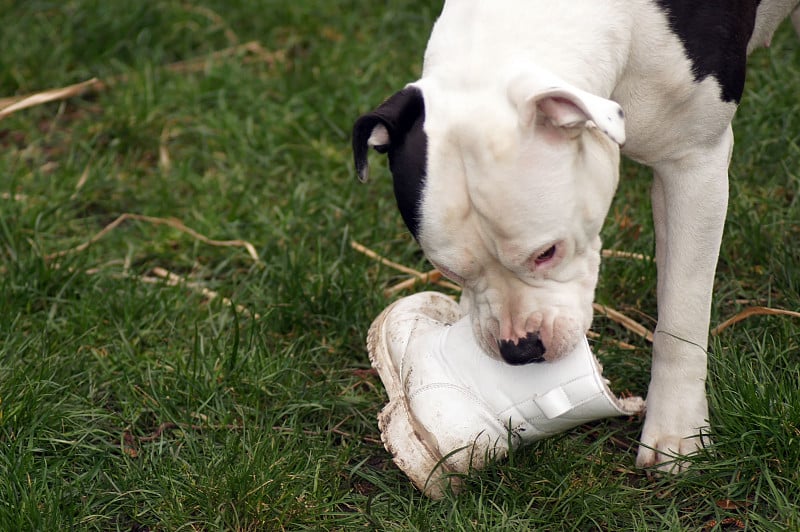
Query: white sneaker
[(452, 407)]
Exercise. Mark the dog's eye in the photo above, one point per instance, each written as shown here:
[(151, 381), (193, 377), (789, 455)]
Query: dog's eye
[(545, 256)]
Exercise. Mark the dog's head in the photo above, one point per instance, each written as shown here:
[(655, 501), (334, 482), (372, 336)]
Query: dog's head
[(505, 188)]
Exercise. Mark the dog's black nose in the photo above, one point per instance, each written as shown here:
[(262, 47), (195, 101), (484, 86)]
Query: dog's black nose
[(525, 351)]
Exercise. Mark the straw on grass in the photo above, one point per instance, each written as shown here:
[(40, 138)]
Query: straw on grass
[(173, 279), (431, 277), (752, 311), (197, 64), (171, 222), (14, 104)]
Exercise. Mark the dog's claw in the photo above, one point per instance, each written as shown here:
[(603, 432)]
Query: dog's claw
[(668, 452)]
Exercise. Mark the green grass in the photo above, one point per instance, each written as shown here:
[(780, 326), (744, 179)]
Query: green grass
[(139, 406)]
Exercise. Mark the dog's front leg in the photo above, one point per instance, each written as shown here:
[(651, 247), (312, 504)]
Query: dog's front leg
[(689, 206)]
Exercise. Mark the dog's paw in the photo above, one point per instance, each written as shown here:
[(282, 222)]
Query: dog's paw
[(672, 431), (666, 452)]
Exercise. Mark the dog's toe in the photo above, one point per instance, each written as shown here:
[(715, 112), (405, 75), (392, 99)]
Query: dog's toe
[(668, 452)]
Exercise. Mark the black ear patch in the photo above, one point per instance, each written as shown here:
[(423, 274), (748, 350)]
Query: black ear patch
[(403, 116)]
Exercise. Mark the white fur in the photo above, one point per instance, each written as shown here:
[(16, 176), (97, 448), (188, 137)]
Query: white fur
[(516, 163)]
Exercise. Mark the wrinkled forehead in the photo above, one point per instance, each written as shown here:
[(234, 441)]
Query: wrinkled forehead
[(467, 138), (487, 166), (501, 205)]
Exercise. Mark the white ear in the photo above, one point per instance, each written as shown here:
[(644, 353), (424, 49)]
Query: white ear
[(563, 105)]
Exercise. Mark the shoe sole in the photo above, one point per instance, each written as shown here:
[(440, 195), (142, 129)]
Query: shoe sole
[(409, 443)]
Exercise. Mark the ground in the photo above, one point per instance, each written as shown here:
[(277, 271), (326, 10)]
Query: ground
[(199, 364)]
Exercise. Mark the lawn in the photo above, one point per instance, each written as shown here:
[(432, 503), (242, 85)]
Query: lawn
[(182, 315)]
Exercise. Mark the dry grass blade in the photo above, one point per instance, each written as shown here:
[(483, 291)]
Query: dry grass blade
[(14, 197), (198, 64), (81, 181), (174, 279), (164, 276), (214, 17), (164, 160), (383, 260), (629, 323), (618, 343), (171, 222), (615, 254), (753, 311), (12, 105), (434, 276)]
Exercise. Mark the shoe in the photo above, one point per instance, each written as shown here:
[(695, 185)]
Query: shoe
[(453, 408)]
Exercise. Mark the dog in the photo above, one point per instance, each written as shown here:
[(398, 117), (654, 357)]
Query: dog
[(505, 158)]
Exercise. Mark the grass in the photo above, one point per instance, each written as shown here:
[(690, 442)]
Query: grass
[(132, 405)]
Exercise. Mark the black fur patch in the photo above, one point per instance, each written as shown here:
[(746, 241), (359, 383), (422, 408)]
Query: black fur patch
[(403, 115), (715, 34)]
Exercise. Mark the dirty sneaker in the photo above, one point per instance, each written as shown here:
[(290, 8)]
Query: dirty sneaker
[(452, 408)]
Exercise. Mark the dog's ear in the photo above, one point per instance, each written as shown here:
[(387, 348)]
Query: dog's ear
[(386, 127), (541, 94)]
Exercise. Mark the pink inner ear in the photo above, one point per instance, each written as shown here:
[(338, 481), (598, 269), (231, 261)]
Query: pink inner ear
[(561, 111)]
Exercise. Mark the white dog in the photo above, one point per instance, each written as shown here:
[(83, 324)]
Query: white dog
[(505, 157)]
